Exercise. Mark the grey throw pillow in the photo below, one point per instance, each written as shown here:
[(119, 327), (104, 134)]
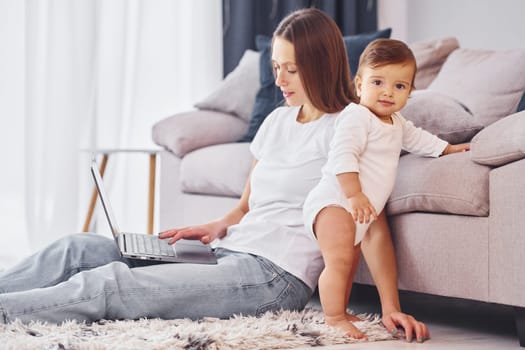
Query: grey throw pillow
[(188, 131), (501, 142), (236, 93), (441, 115), (430, 56), (489, 82)]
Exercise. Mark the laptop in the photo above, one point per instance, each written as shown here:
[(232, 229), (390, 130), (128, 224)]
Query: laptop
[(142, 246)]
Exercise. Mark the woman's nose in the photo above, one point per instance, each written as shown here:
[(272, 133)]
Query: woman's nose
[(279, 79)]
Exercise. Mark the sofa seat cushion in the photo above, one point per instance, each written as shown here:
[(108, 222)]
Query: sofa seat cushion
[(451, 184), (219, 170)]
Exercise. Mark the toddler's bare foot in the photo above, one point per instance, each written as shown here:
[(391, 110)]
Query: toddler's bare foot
[(352, 318), (346, 326)]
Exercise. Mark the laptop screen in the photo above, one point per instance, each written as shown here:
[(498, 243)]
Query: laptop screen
[(104, 199)]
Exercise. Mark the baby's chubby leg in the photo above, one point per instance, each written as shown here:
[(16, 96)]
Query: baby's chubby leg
[(357, 254), (335, 231)]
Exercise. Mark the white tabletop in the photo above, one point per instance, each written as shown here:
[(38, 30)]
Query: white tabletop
[(123, 150)]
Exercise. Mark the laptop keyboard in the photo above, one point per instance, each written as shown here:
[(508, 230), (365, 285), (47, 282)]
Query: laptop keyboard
[(147, 244)]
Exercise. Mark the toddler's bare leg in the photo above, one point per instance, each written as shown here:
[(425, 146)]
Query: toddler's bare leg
[(335, 231), (357, 254)]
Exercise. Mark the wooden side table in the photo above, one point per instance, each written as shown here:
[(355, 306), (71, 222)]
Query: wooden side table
[(151, 184)]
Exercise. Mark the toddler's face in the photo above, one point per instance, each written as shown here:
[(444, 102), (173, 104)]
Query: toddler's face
[(385, 90)]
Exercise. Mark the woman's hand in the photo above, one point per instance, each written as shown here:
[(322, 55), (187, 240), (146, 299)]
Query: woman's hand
[(361, 208), (215, 229), (205, 233), (411, 326)]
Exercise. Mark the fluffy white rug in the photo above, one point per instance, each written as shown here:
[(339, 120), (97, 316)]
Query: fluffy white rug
[(284, 330)]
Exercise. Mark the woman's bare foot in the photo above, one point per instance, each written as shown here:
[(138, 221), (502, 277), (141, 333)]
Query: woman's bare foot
[(352, 318), (346, 326)]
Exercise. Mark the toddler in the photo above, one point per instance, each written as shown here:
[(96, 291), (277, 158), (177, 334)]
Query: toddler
[(360, 172)]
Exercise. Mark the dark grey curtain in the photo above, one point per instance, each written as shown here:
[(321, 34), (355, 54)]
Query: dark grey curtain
[(244, 19)]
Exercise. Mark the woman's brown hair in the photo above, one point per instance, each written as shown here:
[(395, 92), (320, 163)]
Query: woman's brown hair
[(320, 56), (382, 52)]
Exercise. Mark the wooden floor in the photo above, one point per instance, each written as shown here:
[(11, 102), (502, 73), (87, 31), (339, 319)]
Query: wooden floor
[(454, 324)]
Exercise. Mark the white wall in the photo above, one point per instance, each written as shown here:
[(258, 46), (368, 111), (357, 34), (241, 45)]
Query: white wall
[(486, 24)]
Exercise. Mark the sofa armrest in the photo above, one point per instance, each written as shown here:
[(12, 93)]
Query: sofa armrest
[(506, 238), (501, 142), (188, 131)]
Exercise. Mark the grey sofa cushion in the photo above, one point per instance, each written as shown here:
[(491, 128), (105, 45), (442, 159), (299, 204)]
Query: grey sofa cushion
[(450, 184), (219, 170), (501, 142), (441, 115), (185, 132)]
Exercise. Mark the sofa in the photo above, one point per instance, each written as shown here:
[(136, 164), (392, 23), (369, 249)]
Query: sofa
[(457, 221)]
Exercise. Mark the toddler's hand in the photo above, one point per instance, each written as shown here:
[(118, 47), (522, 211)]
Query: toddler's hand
[(361, 208), (461, 147)]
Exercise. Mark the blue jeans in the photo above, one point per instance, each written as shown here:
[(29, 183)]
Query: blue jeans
[(83, 277)]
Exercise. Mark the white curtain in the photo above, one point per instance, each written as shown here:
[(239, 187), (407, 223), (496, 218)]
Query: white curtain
[(98, 75), (13, 239)]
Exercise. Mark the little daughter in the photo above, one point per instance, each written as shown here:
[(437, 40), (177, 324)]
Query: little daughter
[(362, 164)]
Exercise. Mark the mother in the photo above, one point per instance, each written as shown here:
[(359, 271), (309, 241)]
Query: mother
[(266, 258)]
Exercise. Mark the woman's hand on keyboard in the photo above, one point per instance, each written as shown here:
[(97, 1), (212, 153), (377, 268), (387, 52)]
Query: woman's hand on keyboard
[(204, 233)]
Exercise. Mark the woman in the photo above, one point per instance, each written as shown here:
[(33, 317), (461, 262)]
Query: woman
[(266, 259)]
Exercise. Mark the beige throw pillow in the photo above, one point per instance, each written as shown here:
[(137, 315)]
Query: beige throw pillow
[(441, 115), (500, 143), (188, 131), (430, 56), (489, 83), (236, 93)]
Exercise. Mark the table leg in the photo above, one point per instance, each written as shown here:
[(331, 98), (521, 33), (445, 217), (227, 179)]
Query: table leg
[(151, 194), (94, 195)]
